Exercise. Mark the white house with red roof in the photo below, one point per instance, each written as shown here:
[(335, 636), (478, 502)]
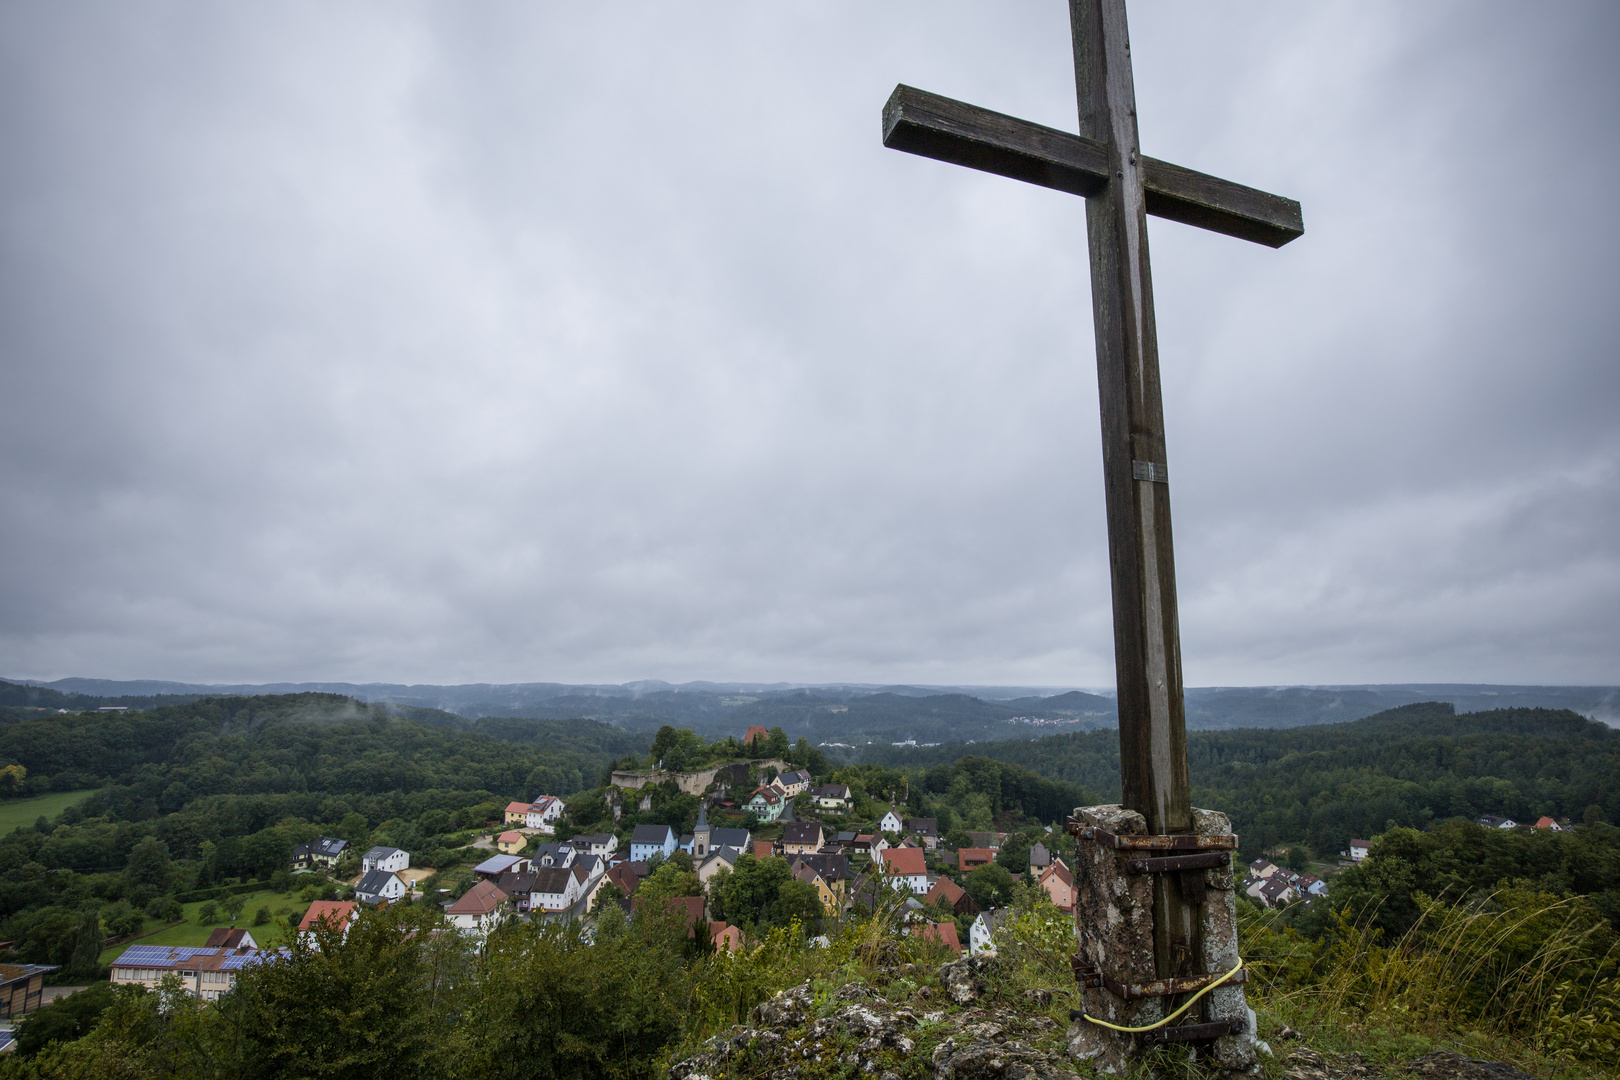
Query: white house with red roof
[(906, 868), (543, 814), (334, 914), (480, 909)]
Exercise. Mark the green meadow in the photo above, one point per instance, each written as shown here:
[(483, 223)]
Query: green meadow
[(15, 812)]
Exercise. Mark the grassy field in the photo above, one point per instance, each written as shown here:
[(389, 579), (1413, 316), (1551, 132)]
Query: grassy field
[(191, 932), (27, 811)]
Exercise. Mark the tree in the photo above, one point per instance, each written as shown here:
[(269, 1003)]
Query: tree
[(148, 864), (777, 745), (87, 944), (122, 918), (990, 886), (670, 880), (64, 1020), (208, 910), (752, 894), (262, 917), (1594, 815), (233, 905)]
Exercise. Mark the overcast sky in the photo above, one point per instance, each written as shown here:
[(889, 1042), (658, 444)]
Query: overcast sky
[(597, 342)]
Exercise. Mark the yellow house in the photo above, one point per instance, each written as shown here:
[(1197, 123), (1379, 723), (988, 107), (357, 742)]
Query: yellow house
[(511, 843), (829, 902), (517, 813)]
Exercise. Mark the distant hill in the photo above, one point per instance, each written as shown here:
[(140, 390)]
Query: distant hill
[(851, 714)]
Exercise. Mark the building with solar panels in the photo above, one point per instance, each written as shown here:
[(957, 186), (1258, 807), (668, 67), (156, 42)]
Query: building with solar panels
[(204, 973)]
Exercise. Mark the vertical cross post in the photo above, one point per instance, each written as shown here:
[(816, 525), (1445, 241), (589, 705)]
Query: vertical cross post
[(1147, 641)]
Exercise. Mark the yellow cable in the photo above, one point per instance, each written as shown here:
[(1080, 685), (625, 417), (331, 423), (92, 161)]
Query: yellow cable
[(1190, 1003)]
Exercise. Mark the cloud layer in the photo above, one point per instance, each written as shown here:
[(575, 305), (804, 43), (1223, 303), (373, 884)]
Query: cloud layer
[(600, 342)]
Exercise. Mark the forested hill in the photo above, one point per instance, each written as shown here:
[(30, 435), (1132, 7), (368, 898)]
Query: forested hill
[(1326, 784), (300, 744)]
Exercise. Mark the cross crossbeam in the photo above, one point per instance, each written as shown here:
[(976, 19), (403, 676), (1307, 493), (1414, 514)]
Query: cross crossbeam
[(944, 129)]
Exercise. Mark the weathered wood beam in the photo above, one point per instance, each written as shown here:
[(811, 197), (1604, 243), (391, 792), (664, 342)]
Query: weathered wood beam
[(953, 131)]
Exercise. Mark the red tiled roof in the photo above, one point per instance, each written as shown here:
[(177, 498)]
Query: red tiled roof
[(335, 913), (762, 849), (755, 731), (970, 857), (907, 861), (517, 808), (510, 837), (945, 931), (945, 889), (481, 899)]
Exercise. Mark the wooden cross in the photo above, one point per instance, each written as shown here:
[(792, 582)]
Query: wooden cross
[(1104, 163)]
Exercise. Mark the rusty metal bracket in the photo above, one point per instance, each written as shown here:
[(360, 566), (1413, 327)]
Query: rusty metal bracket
[(1196, 1032), (1176, 842), (1188, 984), (1208, 860)]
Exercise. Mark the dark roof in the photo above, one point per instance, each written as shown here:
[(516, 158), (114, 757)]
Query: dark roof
[(923, 826), (736, 838), (651, 834), (514, 884), (832, 791), (726, 854), (373, 882), (801, 776), (226, 938), (1038, 855), (328, 846), (803, 832), (551, 879), (831, 867), (587, 839), (379, 853)]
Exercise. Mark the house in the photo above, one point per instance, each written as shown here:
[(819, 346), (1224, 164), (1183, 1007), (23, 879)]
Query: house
[(718, 859), (725, 936), (330, 914), (380, 887), (517, 886), (1491, 821), (871, 844), (385, 858), (1039, 858), (320, 853), (206, 974), (493, 867), (973, 858), (1263, 868), (552, 854), (833, 797), (1547, 823), (650, 840), (925, 829), (763, 849), (794, 783), (807, 873), (990, 841), (599, 844), (906, 869), (556, 889), (803, 838), (627, 876), (1358, 851), (1276, 891), (228, 938), (947, 894), (765, 803), (22, 988), (1311, 885), (890, 822), (944, 932), (480, 909), (1058, 882), (987, 928), (516, 813), (755, 733), (543, 813), (511, 842), (832, 869)]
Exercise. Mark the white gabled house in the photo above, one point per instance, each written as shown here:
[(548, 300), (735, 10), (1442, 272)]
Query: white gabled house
[(982, 934), (480, 909), (650, 840), (380, 886), (906, 869), (385, 858), (890, 822), (543, 814)]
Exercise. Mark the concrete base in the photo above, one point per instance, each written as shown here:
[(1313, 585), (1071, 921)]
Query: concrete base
[(1114, 925)]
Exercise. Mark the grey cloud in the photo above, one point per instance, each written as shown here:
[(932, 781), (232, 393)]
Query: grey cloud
[(594, 343)]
